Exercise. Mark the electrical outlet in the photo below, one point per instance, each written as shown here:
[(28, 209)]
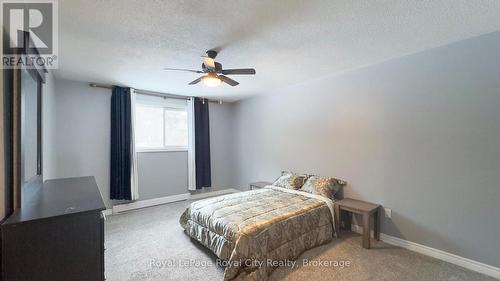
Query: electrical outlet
[(388, 213)]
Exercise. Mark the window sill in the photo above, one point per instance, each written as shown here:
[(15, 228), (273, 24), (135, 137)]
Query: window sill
[(173, 149)]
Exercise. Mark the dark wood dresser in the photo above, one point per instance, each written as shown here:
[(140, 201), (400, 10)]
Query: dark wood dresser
[(57, 235)]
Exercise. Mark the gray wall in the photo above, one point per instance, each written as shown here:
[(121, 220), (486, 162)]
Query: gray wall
[(81, 133), (82, 144), (48, 127), (29, 119), (419, 134), (221, 145), (162, 174)]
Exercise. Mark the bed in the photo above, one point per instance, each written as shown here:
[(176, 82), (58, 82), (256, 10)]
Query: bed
[(253, 232)]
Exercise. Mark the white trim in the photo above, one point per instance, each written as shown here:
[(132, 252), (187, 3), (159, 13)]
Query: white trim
[(162, 149), (149, 203), (435, 253), (191, 146), (213, 193), (134, 182), (167, 199)]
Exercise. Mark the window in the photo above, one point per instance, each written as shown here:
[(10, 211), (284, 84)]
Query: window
[(160, 124)]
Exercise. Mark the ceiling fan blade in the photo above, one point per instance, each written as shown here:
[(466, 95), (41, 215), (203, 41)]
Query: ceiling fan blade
[(218, 67), (241, 71), (182, 69), (228, 80), (195, 81)]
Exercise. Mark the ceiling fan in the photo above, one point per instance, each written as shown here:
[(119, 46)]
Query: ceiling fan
[(214, 74)]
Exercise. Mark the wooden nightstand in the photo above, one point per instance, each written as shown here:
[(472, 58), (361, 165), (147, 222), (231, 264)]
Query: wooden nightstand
[(363, 208), (259, 184)]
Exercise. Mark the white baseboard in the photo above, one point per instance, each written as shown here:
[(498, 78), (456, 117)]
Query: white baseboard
[(213, 193), (164, 200), (150, 202), (435, 253)]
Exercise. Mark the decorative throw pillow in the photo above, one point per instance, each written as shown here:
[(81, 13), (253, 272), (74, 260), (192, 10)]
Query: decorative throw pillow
[(323, 186), (290, 180)]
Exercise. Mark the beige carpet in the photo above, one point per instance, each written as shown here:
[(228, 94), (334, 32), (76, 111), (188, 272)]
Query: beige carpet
[(149, 244)]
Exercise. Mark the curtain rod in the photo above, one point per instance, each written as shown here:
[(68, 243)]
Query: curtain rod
[(153, 93)]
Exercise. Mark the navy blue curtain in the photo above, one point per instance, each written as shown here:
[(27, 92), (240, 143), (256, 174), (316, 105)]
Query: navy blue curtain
[(121, 130), (202, 144)]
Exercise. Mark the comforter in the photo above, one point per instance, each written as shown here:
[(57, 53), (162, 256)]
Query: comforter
[(256, 231)]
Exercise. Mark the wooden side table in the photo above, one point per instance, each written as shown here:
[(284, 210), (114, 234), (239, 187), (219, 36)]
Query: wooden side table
[(259, 184), (363, 208)]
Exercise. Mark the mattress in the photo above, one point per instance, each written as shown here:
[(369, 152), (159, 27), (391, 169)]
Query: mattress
[(249, 230)]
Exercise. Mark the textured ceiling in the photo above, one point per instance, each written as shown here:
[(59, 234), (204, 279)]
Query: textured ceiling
[(288, 41)]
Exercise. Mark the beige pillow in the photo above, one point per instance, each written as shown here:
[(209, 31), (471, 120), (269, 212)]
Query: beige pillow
[(323, 186), (290, 180)]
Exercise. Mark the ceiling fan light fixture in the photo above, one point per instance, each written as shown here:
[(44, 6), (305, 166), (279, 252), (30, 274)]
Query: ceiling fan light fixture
[(211, 80), (214, 74)]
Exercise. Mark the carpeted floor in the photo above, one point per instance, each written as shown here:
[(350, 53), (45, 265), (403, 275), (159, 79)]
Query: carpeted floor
[(149, 244)]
